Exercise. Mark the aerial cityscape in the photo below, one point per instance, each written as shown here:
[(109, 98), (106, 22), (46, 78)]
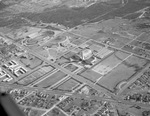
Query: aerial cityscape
[(76, 57)]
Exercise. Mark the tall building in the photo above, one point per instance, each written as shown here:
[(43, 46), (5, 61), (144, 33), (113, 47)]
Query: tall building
[(86, 54)]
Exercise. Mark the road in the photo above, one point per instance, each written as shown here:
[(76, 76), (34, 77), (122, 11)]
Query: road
[(77, 77), (83, 80), (80, 78), (76, 95)]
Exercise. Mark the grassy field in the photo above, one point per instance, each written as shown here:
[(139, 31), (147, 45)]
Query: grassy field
[(35, 75), (90, 75), (148, 40), (137, 61), (125, 71), (92, 29), (71, 67), (122, 72), (110, 62), (51, 79), (120, 41), (62, 61), (30, 61), (144, 37), (71, 17), (136, 43), (116, 40), (68, 85)]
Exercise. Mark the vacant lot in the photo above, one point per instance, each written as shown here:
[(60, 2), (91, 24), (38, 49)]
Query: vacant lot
[(144, 37), (71, 67), (51, 79), (42, 52), (69, 85), (123, 72), (29, 79), (90, 75), (30, 61), (35, 75), (120, 41), (92, 29), (109, 63), (136, 43), (114, 39), (62, 60)]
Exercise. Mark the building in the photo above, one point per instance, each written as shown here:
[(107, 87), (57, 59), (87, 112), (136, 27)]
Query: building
[(86, 54), (19, 71), (65, 43)]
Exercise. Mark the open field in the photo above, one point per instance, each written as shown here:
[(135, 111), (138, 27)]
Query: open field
[(136, 61), (90, 75), (35, 75), (144, 37), (106, 65), (68, 85), (70, 17), (57, 76), (89, 30), (130, 7), (45, 53), (115, 40), (71, 67), (136, 43), (125, 71), (30, 61), (62, 60), (148, 40)]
